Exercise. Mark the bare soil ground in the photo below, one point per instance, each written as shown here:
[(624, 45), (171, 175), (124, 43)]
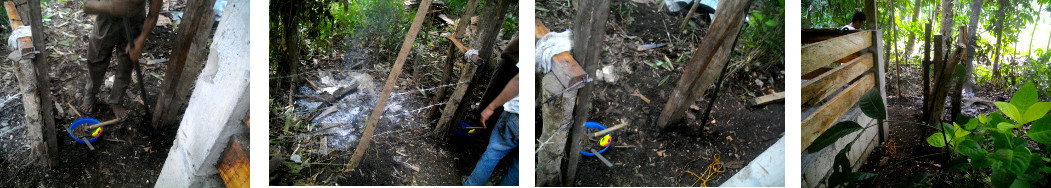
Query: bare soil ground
[(643, 155), (911, 161), (128, 154)]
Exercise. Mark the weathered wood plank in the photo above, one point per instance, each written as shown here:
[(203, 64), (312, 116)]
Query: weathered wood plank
[(187, 59), (392, 79), (820, 54), (704, 67), (234, 164), (827, 114), (823, 86), (766, 99)]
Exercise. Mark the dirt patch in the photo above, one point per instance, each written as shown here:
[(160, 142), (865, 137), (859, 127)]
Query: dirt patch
[(643, 155), (908, 160), (129, 153)]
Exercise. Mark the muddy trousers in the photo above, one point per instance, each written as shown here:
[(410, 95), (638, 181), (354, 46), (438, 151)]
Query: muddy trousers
[(109, 35), (503, 139)]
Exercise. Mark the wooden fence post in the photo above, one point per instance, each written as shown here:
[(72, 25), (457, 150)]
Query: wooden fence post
[(188, 57), (704, 66), (491, 24), (451, 57), (589, 33), (43, 80)]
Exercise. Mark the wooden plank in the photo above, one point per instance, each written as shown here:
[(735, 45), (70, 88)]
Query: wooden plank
[(823, 86), (820, 54), (816, 73), (881, 78), (589, 27), (541, 30), (484, 43), (392, 79), (187, 59), (766, 99), (827, 114), (43, 80), (234, 164), (705, 66), (821, 34), (564, 66)]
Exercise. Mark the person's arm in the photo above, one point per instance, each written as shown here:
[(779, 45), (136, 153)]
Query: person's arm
[(147, 26), (510, 91)]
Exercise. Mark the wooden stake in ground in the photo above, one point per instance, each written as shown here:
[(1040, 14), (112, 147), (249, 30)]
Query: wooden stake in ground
[(942, 82), (491, 25), (392, 78), (589, 33), (451, 57), (189, 54), (705, 65), (43, 80), (27, 83)]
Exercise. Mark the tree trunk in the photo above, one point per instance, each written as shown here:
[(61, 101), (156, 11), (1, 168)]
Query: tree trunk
[(912, 36), (975, 18), (999, 37), (1033, 32)]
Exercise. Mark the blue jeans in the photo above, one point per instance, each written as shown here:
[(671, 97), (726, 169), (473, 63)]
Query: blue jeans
[(503, 139)]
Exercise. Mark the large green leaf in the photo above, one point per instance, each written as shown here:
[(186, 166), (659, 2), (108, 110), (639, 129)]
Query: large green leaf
[(972, 124), (936, 140), (958, 131), (1019, 161), (1036, 111), (970, 148), (1041, 130), (1010, 110), (1024, 97), (1002, 178), (831, 135), (872, 105), (1005, 127)]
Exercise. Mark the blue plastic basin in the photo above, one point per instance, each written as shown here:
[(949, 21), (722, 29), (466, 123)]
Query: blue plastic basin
[(597, 127), (78, 123)]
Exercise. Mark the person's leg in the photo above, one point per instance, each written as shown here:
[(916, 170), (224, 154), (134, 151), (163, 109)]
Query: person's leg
[(100, 48), (511, 178), (499, 144), (124, 65)]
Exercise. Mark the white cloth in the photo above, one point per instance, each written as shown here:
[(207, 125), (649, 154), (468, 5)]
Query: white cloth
[(512, 105), (12, 41), (847, 27), (549, 45)]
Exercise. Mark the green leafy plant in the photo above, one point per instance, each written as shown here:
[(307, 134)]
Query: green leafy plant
[(997, 143), (871, 105)]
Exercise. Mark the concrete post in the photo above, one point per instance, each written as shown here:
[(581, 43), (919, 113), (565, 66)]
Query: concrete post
[(217, 107)]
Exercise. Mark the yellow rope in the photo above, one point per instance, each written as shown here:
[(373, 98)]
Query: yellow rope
[(715, 167), (892, 149)]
